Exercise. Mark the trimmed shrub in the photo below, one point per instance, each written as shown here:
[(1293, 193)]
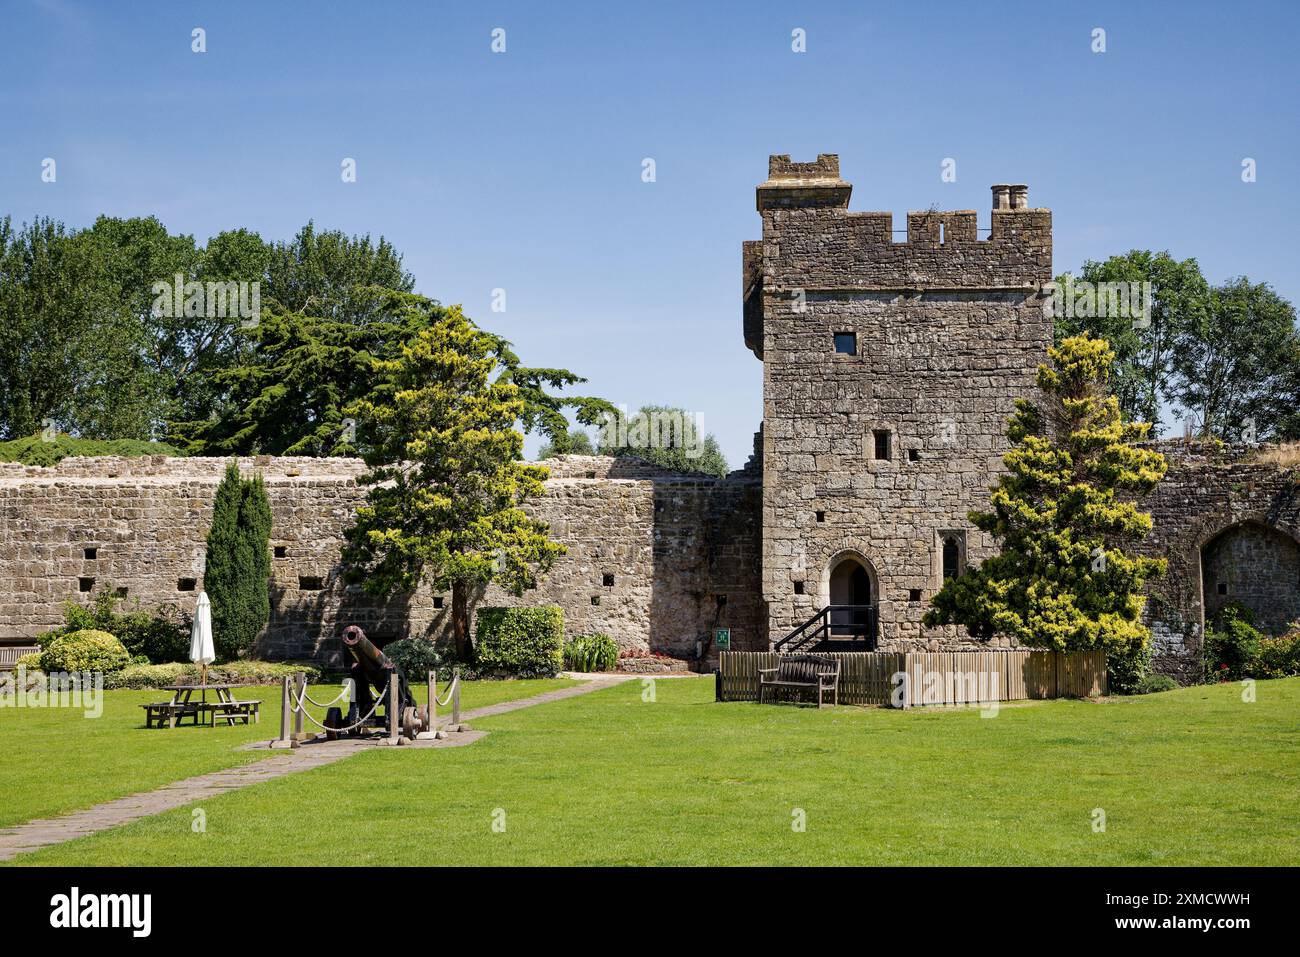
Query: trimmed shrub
[(416, 657), (598, 652), (31, 661), (1152, 684), (522, 642), (1232, 644), (37, 450), (232, 673), (87, 650)]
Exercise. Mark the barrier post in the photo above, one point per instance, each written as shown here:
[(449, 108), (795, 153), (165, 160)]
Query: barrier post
[(286, 740), (455, 698), (430, 712), (300, 694), (394, 734)]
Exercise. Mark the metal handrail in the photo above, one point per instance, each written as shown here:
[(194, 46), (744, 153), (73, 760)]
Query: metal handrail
[(826, 626)]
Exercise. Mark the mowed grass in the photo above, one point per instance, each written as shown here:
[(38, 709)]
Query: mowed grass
[(54, 760), (1193, 777)]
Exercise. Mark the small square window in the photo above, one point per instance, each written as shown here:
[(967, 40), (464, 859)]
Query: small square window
[(120, 592), (721, 600), (310, 583), (608, 579), (185, 584), (914, 594), (882, 443), (437, 601), (595, 599), (90, 554), (281, 551), (913, 455), (1223, 588), (821, 516), (798, 588), (846, 343), (85, 584)]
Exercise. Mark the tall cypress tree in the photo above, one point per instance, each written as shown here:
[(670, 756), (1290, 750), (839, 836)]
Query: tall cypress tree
[(237, 569)]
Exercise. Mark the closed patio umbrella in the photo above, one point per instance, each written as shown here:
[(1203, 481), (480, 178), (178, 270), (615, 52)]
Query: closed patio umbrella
[(202, 651)]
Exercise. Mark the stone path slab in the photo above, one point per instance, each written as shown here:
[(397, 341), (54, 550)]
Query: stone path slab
[(34, 835)]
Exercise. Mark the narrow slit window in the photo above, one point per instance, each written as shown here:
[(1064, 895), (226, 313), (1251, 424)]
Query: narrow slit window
[(437, 601), (951, 558), (821, 516), (882, 443), (608, 579), (798, 588), (846, 343)]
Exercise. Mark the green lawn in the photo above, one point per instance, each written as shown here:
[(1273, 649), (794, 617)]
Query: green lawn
[(54, 760), (1192, 777)]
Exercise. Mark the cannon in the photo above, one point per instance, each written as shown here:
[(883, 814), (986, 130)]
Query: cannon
[(370, 672)]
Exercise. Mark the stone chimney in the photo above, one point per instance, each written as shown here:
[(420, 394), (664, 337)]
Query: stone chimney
[(1001, 196), (803, 184)]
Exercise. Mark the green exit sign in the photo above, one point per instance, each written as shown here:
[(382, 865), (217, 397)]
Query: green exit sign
[(722, 638)]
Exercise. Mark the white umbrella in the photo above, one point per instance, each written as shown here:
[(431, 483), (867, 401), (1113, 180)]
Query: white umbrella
[(202, 651)]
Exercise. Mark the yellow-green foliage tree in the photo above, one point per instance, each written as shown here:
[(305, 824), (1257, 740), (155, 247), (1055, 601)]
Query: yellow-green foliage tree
[(446, 476), (1066, 577)]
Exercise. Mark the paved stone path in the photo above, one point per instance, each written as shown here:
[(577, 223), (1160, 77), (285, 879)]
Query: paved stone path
[(35, 835)]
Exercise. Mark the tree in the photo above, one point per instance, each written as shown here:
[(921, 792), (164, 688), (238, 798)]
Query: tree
[(665, 436), (446, 484), (71, 351), (1066, 577), (1236, 360), (1144, 346), (578, 443), (237, 569)]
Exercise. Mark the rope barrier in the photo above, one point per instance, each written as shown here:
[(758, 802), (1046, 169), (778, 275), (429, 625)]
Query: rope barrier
[(304, 696), (455, 682), (373, 709)]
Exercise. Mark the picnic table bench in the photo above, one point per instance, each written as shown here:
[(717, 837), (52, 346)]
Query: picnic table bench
[(814, 672), (181, 706)]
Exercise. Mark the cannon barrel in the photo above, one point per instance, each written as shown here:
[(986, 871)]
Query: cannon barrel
[(374, 664)]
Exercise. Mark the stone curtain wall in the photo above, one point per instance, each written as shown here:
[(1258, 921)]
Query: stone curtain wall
[(1221, 518), (672, 544), (950, 330)]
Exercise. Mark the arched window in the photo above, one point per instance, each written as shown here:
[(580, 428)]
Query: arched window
[(951, 558)]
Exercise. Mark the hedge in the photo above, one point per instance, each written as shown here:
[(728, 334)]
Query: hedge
[(523, 642), (232, 673)]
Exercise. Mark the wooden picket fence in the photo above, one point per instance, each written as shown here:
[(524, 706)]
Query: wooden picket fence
[(934, 677)]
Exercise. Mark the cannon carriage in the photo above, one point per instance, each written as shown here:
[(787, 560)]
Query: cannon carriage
[(372, 672)]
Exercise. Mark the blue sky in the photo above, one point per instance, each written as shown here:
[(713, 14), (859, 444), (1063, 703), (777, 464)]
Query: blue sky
[(522, 170)]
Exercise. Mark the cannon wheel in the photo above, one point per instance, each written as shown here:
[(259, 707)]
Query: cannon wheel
[(422, 713), (410, 723), (333, 719)]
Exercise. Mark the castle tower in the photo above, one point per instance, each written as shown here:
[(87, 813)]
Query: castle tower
[(890, 367)]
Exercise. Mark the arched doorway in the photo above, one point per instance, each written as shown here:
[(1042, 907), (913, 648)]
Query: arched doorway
[(852, 593), (1256, 566)]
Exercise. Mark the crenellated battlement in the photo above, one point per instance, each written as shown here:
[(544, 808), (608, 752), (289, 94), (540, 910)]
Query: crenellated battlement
[(812, 241)]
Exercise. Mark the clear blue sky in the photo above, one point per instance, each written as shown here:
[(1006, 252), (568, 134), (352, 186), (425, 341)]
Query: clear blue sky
[(522, 170)]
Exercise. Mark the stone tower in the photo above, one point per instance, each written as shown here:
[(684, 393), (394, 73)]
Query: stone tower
[(890, 367)]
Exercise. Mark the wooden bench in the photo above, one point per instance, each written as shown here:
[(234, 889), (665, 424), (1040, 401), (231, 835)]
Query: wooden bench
[(814, 672), (174, 713), (233, 711)]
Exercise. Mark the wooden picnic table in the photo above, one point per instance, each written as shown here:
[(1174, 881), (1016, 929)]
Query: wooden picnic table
[(182, 705)]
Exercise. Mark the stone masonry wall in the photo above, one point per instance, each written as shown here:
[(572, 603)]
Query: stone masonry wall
[(1222, 517), (672, 543)]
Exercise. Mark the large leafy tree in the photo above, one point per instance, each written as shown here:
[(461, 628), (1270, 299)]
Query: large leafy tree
[(1144, 349), (1237, 360), (447, 485), (237, 568), (666, 436), (72, 353), (1066, 576)]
